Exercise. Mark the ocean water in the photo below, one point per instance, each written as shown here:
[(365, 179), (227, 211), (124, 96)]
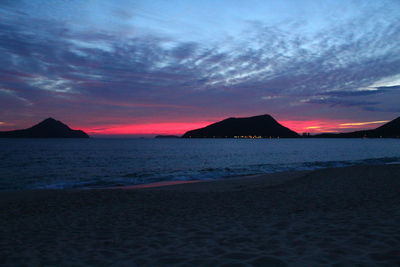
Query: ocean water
[(96, 163)]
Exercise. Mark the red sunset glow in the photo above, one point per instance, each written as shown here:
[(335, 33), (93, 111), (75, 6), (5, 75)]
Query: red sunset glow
[(174, 128), (179, 128)]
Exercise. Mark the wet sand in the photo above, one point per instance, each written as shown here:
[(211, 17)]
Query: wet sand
[(339, 217)]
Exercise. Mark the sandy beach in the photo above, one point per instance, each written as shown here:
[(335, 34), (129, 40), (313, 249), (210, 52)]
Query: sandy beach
[(340, 217)]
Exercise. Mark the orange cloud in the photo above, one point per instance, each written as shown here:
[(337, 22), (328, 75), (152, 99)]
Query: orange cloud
[(361, 123), (323, 125), (312, 126)]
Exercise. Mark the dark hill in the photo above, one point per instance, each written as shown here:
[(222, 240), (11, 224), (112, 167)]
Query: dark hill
[(166, 136), (49, 128), (261, 126), (388, 130)]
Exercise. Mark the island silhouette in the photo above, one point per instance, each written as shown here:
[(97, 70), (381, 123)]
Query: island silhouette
[(49, 128), (265, 126), (262, 126), (166, 136), (388, 130)]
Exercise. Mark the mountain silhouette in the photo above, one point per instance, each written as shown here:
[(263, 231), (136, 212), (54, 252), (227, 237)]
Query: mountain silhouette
[(388, 130), (260, 126), (49, 128)]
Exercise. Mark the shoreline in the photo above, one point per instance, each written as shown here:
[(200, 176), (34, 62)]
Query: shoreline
[(222, 184), (345, 216)]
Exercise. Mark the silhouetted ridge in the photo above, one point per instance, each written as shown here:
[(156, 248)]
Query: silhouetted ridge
[(390, 127), (388, 130), (263, 126), (49, 128)]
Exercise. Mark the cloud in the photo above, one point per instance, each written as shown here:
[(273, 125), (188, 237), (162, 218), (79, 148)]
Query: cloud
[(334, 101), (48, 64), (362, 123), (14, 95)]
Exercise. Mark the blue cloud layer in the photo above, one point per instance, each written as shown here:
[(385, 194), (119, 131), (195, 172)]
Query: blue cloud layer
[(49, 67)]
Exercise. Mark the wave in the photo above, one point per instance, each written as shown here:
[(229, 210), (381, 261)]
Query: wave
[(207, 173)]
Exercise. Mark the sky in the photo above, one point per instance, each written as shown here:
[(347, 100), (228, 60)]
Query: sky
[(164, 67)]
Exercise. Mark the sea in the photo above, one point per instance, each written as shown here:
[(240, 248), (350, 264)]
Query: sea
[(98, 163)]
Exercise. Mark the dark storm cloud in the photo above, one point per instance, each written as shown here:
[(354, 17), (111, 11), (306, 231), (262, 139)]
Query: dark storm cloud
[(46, 62)]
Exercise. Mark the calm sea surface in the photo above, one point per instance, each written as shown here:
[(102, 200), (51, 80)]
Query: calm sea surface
[(91, 163)]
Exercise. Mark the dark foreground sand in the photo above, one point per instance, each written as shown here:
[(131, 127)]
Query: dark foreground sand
[(340, 217)]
